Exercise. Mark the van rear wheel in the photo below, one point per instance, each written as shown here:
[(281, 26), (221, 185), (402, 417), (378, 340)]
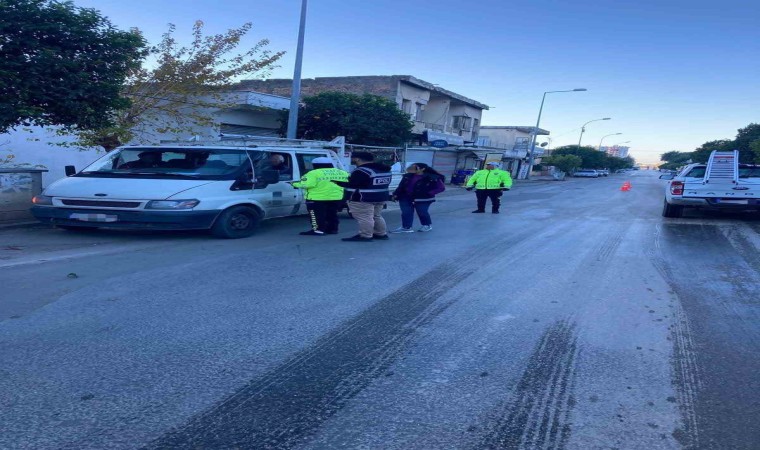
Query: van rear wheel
[(236, 222)]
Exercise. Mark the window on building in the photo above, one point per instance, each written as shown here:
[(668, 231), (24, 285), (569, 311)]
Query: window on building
[(406, 106), (460, 122), (419, 111)]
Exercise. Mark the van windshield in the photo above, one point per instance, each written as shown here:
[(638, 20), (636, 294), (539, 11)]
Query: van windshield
[(157, 162)]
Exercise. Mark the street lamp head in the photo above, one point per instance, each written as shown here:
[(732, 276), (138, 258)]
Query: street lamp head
[(580, 90), (607, 118), (617, 134)]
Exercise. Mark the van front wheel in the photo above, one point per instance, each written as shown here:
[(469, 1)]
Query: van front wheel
[(236, 222)]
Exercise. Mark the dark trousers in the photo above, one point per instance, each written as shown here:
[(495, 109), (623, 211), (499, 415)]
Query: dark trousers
[(323, 215), (408, 207), (493, 194)]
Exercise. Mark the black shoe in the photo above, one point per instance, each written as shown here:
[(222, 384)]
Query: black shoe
[(477, 211), (311, 233), (332, 232), (384, 237), (494, 212), (357, 238)]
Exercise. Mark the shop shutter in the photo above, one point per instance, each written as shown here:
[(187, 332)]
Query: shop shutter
[(445, 163)]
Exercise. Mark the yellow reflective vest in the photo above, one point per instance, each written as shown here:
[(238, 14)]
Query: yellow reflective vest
[(490, 179), (319, 186)]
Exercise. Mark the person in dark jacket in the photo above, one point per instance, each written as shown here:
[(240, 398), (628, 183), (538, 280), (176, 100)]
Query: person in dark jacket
[(366, 192), (417, 192)]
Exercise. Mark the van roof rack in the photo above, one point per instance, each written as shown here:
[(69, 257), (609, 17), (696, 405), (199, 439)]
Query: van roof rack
[(240, 140)]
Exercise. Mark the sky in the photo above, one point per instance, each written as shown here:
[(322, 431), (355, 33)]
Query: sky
[(670, 74)]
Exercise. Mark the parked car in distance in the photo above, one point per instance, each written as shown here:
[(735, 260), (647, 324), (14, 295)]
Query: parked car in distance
[(603, 172), (587, 173)]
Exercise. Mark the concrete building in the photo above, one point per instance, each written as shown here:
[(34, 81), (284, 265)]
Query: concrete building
[(438, 114), (243, 113), (615, 150), (514, 140)]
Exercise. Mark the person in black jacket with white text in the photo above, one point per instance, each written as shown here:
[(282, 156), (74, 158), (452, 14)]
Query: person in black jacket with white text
[(366, 192)]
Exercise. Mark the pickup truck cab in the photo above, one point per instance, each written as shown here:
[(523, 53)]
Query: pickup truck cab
[(226, 188), (721, 184)]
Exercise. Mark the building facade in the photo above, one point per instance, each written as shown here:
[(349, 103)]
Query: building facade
[(515, 142), (616, 150), (437, 114), (242, 113)]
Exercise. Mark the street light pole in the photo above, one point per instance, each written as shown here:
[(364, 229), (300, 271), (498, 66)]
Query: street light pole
[(600, 141), (295, 94), (583, 128), (532, 146)]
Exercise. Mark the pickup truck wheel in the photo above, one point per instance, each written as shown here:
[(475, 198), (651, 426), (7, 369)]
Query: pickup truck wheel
[(236, 222), (672, 211)]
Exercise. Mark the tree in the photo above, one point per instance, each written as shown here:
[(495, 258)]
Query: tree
[(702, 153), (565, 163), (746, 142), (615, 163), (755, 147), (62, 65), (591, 158), (674, 159), (183, 89), (362, 119)]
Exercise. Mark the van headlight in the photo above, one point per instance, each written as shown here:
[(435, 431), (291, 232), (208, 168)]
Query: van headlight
[(42, 200), (172, 204)]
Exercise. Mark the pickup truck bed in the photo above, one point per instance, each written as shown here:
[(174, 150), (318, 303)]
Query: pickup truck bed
[(696, 186)]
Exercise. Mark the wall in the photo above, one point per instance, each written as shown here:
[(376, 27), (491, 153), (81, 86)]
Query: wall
[(384, 86), (33, 148), (462, 109)]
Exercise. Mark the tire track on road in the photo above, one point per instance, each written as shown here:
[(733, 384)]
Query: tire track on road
[(538, 413), (715, 333), (283, 408)]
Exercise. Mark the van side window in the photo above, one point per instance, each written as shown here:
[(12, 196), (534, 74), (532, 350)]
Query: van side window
[(305, 161), (277, 164)]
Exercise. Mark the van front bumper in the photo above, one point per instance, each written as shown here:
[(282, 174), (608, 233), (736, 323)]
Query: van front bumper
[(142, 219)]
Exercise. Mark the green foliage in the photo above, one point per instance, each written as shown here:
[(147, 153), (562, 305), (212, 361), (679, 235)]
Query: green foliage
[(362, 119), (590, 158), (747, 141), (755, 147), (565, 163), (62, 65), (184, 88)]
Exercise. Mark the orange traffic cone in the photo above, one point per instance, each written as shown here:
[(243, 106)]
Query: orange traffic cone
[(626, 186)]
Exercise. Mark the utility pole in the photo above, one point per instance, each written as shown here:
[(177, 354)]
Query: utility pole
[(295, 95)]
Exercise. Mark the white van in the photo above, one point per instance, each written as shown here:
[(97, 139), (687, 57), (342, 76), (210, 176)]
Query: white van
[(228, 189)]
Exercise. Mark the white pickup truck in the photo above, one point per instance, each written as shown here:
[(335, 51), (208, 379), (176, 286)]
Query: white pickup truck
[(721, 184)]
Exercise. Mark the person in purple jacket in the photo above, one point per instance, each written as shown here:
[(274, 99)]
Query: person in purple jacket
[(417, 192)]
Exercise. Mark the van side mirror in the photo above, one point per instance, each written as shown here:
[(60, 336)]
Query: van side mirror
[(667, 176), (70, 170)]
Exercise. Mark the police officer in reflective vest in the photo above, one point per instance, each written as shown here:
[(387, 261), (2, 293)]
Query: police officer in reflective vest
[(367, 192), (490, 183), (323, 197)]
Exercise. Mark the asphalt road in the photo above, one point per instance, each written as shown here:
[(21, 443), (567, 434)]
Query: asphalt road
[(579, 318)]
